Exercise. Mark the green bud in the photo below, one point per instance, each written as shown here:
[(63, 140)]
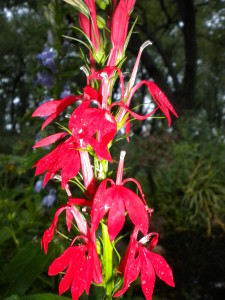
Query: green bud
[(100, 22), (99, 56), (102, 3)]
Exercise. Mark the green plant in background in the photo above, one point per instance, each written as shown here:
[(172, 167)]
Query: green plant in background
[(192, 184)]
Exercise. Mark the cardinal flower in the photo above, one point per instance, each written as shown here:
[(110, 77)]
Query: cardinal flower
[(86, 122), (82, 267), (71, 213), (115, 200), (119, 29), (89, 25), (64, 157), (139, 259)]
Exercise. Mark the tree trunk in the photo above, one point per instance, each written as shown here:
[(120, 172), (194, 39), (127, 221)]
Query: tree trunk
[(187, 13)]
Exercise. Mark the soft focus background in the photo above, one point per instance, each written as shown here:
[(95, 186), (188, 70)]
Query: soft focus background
[(181, 168)]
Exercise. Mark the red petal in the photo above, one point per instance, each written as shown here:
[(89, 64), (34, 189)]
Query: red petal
[(80, 276), (69, 219), (85, 24), (97, 273), (132, 247), (138, 186), (80, 202), (116, 216), (147, 274), (54, 108), (45, 109), (93, 267), (71, 166), (48, 161), (50, 139), (162, 268), (100, 149), (159, 97), (80, 220), (47, 237), (132, 268), (99, 207), (127, 128), (61, 262), (68, 277), (49, 233), (90, 93), (132, 271), (136, 210), (119, 26)]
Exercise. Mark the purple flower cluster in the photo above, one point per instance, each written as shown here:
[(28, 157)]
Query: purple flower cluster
[(47, 58), (48, 199)]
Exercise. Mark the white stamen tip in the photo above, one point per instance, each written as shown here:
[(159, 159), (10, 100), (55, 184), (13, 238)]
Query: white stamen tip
[(68, 116), (145, 44), (105, 76), (144, 240), (85, 70), (57, 177), (122, 154)]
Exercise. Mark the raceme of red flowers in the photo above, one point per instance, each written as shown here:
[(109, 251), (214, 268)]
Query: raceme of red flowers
[(81, 159)]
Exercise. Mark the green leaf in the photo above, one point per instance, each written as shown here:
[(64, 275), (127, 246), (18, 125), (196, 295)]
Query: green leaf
[(19, 274), (46, 296), (4, 235)]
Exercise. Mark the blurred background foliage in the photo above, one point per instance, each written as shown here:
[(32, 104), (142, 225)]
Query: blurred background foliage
[(181, 168)]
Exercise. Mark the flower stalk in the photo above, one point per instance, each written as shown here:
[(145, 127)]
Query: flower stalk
[(107, 262)]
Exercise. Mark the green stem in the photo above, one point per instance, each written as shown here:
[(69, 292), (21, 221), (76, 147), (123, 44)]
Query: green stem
[(107, 262)]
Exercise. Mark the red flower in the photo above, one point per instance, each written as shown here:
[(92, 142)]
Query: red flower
[(71, 213), (53, 108), (86, 122), (119, 29), (115, 199), (139, 259), (89, 25), (159, 97), (82, 266), (64, 157)]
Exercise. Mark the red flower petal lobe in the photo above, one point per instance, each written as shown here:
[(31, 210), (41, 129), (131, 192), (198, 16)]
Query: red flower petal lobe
[(162, 268), (116, 216), (147, 274), (50, 139), (136, 210)]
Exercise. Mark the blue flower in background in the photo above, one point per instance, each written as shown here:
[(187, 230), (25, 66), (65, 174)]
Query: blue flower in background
[(49, 199), (47, 58), (46, 79), (66, 92), (38, 186)]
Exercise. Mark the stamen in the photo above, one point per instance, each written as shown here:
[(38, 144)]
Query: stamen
[(119, 176), (85, 70), (105, 77), (145, 44), (57, 178)]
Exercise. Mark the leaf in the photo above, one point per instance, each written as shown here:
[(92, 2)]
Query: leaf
[(19, 274), (46, 296), (4, 235)]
